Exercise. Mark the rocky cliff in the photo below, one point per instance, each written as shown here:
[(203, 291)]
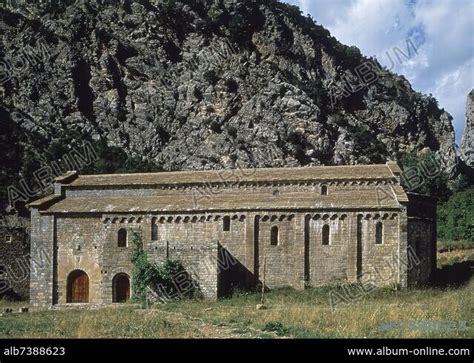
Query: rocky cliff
[(467, 143), (203, 84)]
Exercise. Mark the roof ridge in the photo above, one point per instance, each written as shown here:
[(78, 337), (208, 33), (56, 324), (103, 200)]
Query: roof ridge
[(223, 170)]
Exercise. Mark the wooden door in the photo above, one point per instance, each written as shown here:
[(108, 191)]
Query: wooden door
[(78, 287)]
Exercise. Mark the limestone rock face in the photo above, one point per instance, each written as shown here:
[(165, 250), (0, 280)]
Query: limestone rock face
[(467, 143), (205, 84)]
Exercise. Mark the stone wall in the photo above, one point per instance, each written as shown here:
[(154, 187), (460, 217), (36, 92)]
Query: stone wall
[(284, 260), (42, 251), (421, 251), (352, 254), (114, 260), (421, 260), (14, 263), (299, 258), (83, 245), (223, 250), (380, 262), (328, 262)]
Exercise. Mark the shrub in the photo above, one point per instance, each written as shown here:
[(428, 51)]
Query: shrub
[(112, 159), (276, 327), (211, 77), (144, 274), (281, 330), (232, 85), (172, 278), (435, 185), (232, 131), (456, 217)]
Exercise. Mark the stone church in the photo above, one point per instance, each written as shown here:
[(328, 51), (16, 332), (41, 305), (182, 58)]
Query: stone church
[(300, 227)]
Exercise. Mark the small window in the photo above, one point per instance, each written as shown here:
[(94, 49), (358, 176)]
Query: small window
[(154, 230), (274, 236), (326, 234), (378, 233), (324, 190), (122, 237), (226, 224), (8, 238)]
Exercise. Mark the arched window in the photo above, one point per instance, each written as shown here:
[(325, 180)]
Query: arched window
[(226, 224), (122, 238), (378, 233), (326, 234), (154, 230), (324, 190), (274, 236)]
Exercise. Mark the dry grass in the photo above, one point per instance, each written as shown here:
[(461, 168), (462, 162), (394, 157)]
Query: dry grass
[(449, 257), (290, 313), (308, 314), (126, 322)]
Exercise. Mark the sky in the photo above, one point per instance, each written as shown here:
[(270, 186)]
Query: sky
[(430, 42)]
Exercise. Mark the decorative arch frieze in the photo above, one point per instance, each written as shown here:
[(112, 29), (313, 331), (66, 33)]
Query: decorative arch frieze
[(121, 219)]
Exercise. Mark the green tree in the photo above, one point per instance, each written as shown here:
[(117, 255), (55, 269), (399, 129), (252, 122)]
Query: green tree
[(424, 174), (112, 159), (456, 217)]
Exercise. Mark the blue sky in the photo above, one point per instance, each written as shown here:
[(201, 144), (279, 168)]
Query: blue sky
[(441, 30)]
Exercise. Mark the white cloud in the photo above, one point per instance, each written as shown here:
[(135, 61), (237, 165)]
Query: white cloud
[(442, 30), (374, 26), (304, 6), (451, 91)]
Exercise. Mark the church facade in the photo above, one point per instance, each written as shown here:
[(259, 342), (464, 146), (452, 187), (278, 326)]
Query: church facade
[(299, 227)]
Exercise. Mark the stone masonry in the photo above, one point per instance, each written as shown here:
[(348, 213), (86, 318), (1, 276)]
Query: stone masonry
[(309, 226), (14, 261)]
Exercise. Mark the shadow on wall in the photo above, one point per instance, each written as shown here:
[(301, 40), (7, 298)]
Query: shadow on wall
[(456, 274), (232, 275), (11, 295)]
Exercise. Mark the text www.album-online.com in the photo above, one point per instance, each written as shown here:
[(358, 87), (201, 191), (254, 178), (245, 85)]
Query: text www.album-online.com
[(427, 351)]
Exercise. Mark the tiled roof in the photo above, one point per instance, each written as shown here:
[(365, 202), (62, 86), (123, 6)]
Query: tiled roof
[(366, 199), (317, 173), (45, 201), (369, 197)]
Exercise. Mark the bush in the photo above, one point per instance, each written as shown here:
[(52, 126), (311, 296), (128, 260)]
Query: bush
[(171, 277), (211, 77), (144, 274), (281, 330), (112, 159), (276, 327), (435, 185), (456, 217), (232, 85)]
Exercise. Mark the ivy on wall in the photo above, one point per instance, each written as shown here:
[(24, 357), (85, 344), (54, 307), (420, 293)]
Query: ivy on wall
[(146, 275)]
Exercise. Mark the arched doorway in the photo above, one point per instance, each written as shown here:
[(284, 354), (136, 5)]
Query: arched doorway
[(121, 288), (78, 287)]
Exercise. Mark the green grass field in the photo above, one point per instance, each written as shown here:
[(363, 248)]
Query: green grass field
[(383, 313)]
